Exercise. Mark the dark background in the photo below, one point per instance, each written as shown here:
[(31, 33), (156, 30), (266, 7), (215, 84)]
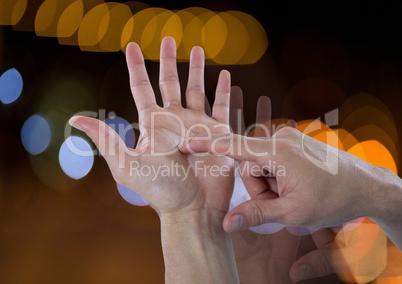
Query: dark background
[(85, 232)]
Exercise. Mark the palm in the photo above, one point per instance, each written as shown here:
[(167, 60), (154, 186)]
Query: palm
[(191, 174), (156, 169)]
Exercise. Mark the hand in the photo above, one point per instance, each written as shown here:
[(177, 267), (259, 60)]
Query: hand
[(318, 186), (181, 188), (357, 254), (190, 193), (260, 258)]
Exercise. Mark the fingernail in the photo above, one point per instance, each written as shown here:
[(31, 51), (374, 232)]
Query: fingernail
[(75, 124), (303, 272), (236, 223)]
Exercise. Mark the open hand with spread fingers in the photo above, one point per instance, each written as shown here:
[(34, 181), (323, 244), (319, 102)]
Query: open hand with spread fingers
[(190, 193)]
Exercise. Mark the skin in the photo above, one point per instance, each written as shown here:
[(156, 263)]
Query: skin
[(193, 207), (190, 207), (260, 258), (263, 258), (311, 194)]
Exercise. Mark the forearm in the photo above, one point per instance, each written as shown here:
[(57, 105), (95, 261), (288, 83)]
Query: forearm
[(196, 249), (387, 206)]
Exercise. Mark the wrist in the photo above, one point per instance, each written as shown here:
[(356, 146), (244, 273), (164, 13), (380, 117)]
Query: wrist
[(196, 218), (195, 246)]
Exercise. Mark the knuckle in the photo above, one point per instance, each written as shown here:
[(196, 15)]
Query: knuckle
[(258, 214), (325, 265)]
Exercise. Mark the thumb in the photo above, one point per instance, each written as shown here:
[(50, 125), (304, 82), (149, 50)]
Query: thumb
[(108, 142), (314, 264), (255, 212)]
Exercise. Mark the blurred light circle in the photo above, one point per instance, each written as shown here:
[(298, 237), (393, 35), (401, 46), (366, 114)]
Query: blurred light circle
[(93, 27), (135, 26), (236, 41), (11, 11), (126, 132), (130, 196), (185, 18), (36, 134), (70, 19), (173, 27), (193, 28), (214, 35), (152, 34), (257, 39), (123, 128), (11, 85), (72, 163), (240, 193), (116, 19), (49, 14), (268, 228)]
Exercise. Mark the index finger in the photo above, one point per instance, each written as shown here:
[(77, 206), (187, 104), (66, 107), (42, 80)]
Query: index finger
[(231, 145), (141, 88)]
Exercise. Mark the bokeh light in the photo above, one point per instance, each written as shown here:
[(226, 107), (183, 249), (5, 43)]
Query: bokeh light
[(348, 140), (330, 137), (377, 155), (388, 280), (131, 196), (373, 132), (268, 228), (11, 11), (370, 115), (185, 17), (165, 23), (72, 162), (114, 22), (133, 30), (229, 43), (93, 27), (214, 34), (231, 37), (368, 258), (123, 128), (364, 99), (36, 134), (70, 19), (393, 272), (48, 16), (257, 40), (312, 95), (368, 118), (173, 27), (11, 85), (240, 193), (192, 32), (127, 134)]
